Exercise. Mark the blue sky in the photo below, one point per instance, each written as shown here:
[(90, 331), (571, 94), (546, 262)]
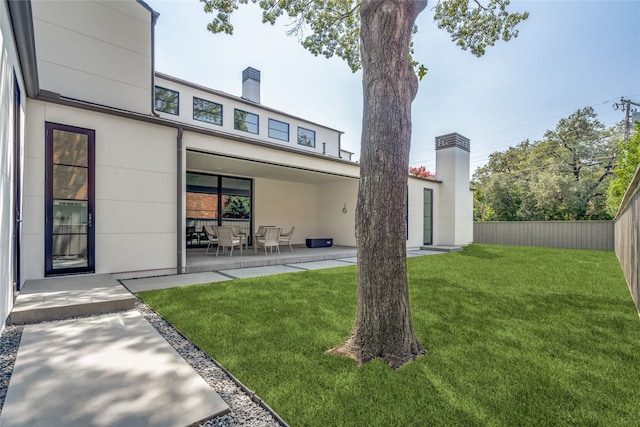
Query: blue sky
[(568, 55)]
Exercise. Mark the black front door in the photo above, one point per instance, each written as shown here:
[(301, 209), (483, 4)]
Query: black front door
[(69, 199)]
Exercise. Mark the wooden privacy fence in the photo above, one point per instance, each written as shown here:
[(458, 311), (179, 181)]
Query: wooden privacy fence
[(627, 234), (552, 234)]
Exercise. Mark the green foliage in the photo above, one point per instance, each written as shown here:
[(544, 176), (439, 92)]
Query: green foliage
[(517, 336), (236, 207), (333, 26), (562, 177), (240, 120), (475, 26), (628, 161)]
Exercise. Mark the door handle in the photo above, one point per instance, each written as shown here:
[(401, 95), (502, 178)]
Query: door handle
[(90, 221)]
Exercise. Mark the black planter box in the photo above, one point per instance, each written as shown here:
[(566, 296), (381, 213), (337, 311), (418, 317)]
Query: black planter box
[(319, 243)]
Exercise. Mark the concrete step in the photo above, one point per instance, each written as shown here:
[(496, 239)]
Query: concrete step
[(69, 296), (441, 248)]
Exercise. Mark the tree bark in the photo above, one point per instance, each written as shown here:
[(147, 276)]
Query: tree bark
[(383, 326)]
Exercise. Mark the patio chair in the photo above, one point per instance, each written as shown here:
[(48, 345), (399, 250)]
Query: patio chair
[(191, 234), (226, 239), (286, 238), (260, 232), (212, 235), (237, 232), (269, 240)]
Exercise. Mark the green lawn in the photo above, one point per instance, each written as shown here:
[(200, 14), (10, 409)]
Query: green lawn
[(516, 336)]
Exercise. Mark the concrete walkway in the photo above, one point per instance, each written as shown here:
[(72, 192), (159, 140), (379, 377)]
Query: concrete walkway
[(111, 369), (106, 370)]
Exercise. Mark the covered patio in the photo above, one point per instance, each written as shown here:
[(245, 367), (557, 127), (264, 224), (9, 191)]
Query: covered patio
[(198, 260)]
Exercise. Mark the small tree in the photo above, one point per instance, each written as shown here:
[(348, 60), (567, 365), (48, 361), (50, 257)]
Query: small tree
[(628, 161), (376, 35)]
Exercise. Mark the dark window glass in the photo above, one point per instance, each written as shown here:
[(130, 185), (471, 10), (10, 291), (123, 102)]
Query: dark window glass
[(244, 121), (278, 130), (69, 235), (167, 100), (306, 137), (207, 111)]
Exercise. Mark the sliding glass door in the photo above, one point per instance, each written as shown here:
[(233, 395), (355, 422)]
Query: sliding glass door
[(217, 200)]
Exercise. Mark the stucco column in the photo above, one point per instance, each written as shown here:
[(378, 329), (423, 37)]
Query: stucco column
[(454, 205)]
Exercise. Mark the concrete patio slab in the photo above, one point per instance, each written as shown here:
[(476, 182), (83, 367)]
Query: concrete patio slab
[(109, 370), (62, 297), (164, 282), (318, 265), (413, 254), (245, 273), (198, 260), (352, 260)]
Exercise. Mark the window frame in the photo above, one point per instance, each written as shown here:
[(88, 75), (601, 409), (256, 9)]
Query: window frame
[(156, 99), (313, 145), (207, 112), (279, 131), (235, 121)]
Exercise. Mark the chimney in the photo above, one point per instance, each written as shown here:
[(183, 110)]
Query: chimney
[(251, 85), (455, 199)]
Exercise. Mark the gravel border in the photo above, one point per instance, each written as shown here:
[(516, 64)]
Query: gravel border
[(247, 409), (9, 343)]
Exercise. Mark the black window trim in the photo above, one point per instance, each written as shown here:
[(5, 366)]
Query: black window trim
[(308, 130), (177, 113), (257, 132), (211, 102), (284, 123)]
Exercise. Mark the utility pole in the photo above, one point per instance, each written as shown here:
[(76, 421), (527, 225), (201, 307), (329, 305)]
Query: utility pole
[(626, 104)]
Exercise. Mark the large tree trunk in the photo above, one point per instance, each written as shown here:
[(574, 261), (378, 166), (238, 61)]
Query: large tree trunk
[(383, 327)]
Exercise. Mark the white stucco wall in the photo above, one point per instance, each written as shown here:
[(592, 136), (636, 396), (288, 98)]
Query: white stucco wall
[(135, 176), (8, 65), (454, 201), (332, 221), (416, 187), (82, 56), (286, 204), (228, 147), (324, 135)]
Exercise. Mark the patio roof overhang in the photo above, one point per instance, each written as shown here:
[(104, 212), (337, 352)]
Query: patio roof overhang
[(221, 164)]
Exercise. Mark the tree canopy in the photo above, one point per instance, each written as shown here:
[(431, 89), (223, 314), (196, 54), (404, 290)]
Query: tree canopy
[(332, 27), (563, 176)]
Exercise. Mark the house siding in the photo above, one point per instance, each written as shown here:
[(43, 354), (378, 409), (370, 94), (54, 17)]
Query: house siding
[(9, 66), (135, 190), (324, 135), (80, 56)]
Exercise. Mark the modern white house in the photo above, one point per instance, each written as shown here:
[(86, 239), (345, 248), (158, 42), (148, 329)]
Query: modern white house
[(105, 162)]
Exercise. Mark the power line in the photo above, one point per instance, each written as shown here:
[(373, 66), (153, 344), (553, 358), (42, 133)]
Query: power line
[(481, 154), (625, 103), (520, 139)]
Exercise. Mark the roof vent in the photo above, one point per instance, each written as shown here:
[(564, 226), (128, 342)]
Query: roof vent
[(453, 140), (251, 85)]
